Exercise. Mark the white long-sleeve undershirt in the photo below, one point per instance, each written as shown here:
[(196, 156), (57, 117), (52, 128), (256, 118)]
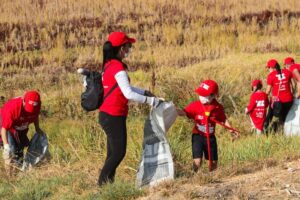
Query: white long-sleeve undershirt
[(130, 92)]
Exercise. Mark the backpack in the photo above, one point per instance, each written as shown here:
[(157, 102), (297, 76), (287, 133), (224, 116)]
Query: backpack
[(92, 98)]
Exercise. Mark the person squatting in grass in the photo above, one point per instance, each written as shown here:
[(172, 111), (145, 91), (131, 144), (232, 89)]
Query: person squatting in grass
[(204, 112), (279, 82), (293, 67), (114, 110), (15, 117), (257, 107)]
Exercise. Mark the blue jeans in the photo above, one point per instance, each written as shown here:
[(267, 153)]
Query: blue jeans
[(16, 148)]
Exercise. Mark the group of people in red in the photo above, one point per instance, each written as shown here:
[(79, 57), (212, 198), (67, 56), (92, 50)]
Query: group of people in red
[(16, 114), (281, 84)]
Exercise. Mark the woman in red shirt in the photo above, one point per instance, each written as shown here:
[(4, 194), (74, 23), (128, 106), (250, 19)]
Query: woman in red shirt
[(278, 82), (295, 69), (114, 110), (257, 107)]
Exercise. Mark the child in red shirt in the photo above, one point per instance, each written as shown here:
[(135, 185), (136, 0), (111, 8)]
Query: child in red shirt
[(257, 107), (205, 112)]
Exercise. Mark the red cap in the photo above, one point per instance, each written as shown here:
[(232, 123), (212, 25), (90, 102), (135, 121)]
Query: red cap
[(272, 63), (32, 102), (208, 87), (119, 38), (256, 82), (289, 61)]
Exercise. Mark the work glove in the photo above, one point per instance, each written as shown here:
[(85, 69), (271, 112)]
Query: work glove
[(6, 152), (148, 93), (154, 101)]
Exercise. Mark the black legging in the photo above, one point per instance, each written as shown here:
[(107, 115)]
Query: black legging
[(115, 129), (284, 111)]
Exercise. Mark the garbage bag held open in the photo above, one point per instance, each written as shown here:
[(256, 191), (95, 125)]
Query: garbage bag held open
[(37, 150), (156, 162)]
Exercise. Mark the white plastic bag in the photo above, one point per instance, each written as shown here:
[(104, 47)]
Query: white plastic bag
[(156, 163), (164, 115), (292, 121)]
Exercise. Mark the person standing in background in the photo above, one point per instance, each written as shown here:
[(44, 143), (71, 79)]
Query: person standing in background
[(278, 82), (294, 68), (257, 107)]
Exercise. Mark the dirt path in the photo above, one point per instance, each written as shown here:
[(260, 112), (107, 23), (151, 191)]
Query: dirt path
[(281, 182)]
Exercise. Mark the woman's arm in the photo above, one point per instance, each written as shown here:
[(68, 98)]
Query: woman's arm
[(138, 90), (4, 136), (293, 85), (129, 93), (7, 151), (37, 127), (268, 90), (297, 78), (180, 112)]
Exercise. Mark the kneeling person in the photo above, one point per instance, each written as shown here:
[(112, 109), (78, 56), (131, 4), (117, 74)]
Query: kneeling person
[(15, 117)]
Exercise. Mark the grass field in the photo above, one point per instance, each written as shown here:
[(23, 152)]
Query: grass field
[(179, 44)]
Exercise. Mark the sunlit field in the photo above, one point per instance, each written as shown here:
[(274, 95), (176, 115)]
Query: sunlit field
[(179, 44)]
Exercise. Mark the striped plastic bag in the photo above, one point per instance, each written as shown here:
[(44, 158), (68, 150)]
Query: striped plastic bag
[(156, 163)]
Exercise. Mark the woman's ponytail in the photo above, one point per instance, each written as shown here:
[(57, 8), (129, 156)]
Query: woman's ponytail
[(109, 52), (278, 69)]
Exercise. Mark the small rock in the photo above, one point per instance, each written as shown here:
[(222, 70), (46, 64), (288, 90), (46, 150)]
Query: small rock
[(290, 170)]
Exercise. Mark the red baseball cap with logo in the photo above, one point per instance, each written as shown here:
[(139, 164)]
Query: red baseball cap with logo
[(32, 102), (207, 88), (272, 63), (256, 82), (289, 61), (119, 38)]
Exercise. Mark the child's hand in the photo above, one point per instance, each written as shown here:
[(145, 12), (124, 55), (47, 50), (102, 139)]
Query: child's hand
[(246, 111), (180, 112), (234, 134)]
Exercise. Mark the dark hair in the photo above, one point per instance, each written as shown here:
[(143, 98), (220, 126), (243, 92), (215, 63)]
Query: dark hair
[(258, 87), (109, 52), (278, 69)]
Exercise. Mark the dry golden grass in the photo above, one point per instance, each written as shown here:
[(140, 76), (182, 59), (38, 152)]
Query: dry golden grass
[(42, 42)]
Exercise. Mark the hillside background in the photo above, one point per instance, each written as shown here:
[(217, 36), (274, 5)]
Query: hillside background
[(179, 44)]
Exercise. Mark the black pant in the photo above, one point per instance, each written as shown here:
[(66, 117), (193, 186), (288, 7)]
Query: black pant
[(200, 148), (115, 129), (284, 111)]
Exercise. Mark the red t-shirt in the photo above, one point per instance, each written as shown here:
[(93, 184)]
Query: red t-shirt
[(293, 67), (257, 108), (14, 118), (115, 104), (195, 111), (274, 79)]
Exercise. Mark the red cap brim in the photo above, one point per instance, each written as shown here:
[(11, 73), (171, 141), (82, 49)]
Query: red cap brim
[(202, 92), (31, 108), (131, 40)]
